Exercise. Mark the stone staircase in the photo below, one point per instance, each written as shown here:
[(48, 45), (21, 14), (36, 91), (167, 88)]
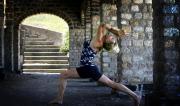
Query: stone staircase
[(41, 55)]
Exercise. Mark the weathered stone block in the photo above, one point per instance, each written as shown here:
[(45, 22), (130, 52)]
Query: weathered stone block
[(125, 1), (127, 28), (148, 30), (142, 23), (126, 65), (124, 22), (150, 9), (126, 50), (135, 8), (105, 65), (126, 43), (137, 58), (147, 16), (149, 23), (148, 43), (135, 35), (149, 35), (141, 35), (126, 58), (114, 18), (138, 43), (124, 9), (134, 22), (138, 1), (148, 1), (138, 29), (126, 16), (169, 54), (169, 44), (105, 53), (127, 73), (106, 59), (145, 9), (138, 16), (134, 80)]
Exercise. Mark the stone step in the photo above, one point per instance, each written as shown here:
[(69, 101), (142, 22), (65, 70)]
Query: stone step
[(41, 46), (41, 49), (44, 70), (46, 61), (35, 39), (46, 58), (39, 43), (44, 54), (32, 36), (45, 66)]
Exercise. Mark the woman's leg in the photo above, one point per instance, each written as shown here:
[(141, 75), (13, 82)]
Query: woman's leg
[(71, 73), (120, 87)]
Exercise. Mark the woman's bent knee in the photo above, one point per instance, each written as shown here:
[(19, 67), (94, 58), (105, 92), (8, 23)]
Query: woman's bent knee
[(71, 73)]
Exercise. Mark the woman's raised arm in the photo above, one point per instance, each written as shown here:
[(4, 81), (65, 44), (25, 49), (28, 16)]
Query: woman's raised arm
[(116, 31)]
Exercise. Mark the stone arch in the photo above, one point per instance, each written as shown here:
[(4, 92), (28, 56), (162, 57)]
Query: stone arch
[(61, 14), (19, 18)]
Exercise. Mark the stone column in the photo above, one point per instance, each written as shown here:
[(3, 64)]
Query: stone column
[(88, 20), (76, 43), (1, 44), (166, 49), (135, 16), (8, 46), (15, 48), (109, 60)]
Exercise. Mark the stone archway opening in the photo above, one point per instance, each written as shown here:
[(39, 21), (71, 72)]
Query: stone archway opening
[(43, 44)]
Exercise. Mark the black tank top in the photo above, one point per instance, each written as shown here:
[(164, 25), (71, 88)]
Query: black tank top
[(87, 55)]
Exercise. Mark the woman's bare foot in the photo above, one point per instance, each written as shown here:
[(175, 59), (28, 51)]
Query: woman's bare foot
[(137, 100)]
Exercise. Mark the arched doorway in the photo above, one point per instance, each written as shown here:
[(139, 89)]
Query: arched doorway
[(43, 44)]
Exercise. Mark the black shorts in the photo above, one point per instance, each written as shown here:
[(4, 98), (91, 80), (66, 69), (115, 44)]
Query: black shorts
[(89, 72)]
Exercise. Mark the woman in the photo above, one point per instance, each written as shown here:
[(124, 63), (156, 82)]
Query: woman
[(88, 69)]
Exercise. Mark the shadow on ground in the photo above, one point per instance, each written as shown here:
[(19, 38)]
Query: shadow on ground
[(39, 89)]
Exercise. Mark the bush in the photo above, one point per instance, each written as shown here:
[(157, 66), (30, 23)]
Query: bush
[(65, 48)]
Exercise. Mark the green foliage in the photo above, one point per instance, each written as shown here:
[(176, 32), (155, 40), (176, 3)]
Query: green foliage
[(65, 48)]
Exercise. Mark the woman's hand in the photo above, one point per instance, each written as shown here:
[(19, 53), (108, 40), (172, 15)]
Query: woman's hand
[(108, 26), (116, 31)]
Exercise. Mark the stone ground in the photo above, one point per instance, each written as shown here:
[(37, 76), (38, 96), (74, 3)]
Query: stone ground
[(39, 89)]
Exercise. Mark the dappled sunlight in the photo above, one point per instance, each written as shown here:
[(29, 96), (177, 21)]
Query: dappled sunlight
[(41, 73), (46, 44), (47, 21)]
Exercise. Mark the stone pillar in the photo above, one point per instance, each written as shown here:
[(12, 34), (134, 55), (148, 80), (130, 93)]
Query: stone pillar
[(109, 61), (95, 22), (8, 46), (135, 16), (76, 43), (1, 32), (15, 50), (1, 45), (88, 20), (166, 49)]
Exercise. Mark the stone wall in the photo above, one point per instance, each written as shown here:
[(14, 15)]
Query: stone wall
[(57, 37), (134, 62), (109, 59), (1, 31), (136, 48), (76, 43), (166, 48)]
